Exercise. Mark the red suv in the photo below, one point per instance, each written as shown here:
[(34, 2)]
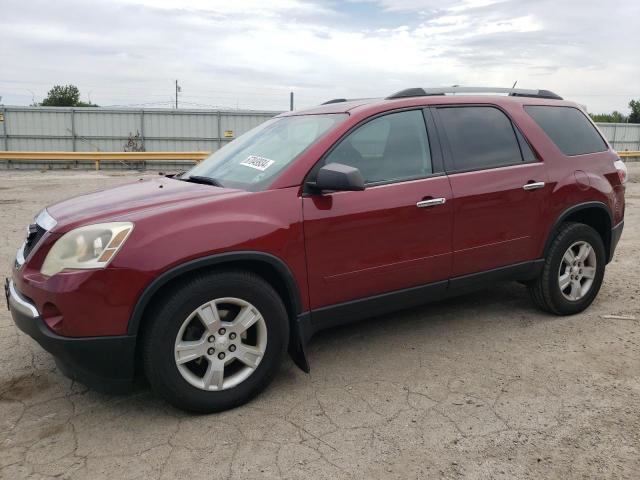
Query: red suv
[(202, 281)]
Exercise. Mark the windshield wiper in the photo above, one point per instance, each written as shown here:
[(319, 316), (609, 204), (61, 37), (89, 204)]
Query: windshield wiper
[(202, 180), (176, 175)]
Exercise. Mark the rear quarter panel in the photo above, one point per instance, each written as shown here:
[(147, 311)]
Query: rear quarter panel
[(572, 179)]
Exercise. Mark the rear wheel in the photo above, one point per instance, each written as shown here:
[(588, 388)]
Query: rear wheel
[(216, 341), (573, 271)]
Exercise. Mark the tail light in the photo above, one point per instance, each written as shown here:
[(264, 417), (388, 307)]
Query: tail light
[(622, 171)]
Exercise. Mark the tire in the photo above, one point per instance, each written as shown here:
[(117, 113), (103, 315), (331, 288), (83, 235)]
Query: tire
[(175, 331), (546, 291)]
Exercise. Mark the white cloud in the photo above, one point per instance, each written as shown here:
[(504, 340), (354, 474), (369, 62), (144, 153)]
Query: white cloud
[(252, 53), (230, 7)]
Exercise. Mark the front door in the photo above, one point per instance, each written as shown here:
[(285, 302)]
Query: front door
[(395, 234)]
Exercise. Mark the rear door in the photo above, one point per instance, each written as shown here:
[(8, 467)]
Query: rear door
[(395, 234), (498, 185)]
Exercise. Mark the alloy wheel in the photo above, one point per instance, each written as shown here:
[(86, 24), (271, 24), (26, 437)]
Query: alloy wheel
[(220, 344), (577, 270)]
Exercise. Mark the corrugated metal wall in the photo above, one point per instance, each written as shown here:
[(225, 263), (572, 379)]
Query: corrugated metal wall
[(103, 129), (163, 130), (622, 136)]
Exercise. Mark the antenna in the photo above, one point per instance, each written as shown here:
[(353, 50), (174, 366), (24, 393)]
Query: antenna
[(514, 84)]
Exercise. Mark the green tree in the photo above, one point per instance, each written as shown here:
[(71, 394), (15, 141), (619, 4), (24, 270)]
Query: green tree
[(634, 105), (64, 96), (615, 117)]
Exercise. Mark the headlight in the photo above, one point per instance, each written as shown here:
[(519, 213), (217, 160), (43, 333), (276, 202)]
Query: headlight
[(93, 246)]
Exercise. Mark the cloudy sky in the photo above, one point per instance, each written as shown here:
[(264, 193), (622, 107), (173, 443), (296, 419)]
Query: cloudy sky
[(250, 54)]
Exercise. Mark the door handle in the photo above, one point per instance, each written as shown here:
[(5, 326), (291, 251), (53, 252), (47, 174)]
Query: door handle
[(432, 202), (533, 186)]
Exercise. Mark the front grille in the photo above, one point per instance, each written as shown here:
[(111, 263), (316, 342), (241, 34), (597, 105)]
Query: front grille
[(36, 232)]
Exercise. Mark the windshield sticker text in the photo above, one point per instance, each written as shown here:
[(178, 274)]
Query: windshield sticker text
[(259, 163)]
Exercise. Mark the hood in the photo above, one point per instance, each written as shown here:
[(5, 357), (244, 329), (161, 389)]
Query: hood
[(132, 200)]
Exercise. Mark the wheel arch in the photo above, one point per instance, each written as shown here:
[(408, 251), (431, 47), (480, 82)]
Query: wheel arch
[(595, 214), (271, 268)]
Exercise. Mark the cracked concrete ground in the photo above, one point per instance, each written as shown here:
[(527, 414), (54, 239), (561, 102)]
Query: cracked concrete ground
[(483, 386)]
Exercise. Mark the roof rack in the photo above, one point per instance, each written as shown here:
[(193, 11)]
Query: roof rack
[(341, 100), (513, 92), (335, 100)]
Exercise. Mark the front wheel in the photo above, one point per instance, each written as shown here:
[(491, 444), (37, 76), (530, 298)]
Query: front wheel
[(216, 341), (573, 271)]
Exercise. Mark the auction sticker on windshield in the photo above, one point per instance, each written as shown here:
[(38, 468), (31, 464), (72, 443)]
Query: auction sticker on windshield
[(259, 163)]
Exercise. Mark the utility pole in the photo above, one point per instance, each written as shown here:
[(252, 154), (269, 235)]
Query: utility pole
[(291, 101), (178, 90)]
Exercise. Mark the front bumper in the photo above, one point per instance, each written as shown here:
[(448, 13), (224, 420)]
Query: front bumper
[(103, 363)]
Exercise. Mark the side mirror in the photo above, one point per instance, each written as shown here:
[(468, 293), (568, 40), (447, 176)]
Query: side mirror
[(338, 177)]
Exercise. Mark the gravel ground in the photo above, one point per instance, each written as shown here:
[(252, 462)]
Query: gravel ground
[(482, 386)]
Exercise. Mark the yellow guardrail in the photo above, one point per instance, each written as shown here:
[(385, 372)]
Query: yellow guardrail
[(629, 154), (125, 157), (98, 157)]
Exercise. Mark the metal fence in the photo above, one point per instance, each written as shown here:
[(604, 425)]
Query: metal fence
[(622, 136), (41, 129), (111, 130)]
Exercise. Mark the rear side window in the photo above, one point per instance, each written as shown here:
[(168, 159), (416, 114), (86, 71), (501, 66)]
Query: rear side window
[(480, 137), (568, 128)]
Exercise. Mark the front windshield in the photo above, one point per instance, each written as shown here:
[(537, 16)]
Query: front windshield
[(253, 160)]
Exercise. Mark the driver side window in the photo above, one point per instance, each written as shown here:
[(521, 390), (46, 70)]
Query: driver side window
[(390, 148)]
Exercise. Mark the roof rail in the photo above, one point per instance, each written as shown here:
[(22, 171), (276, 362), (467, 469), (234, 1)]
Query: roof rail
[(335, 100), (341, 100), (513, 92)]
